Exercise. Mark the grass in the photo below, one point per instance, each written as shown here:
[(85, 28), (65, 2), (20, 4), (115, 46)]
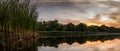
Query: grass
[(18, 20)]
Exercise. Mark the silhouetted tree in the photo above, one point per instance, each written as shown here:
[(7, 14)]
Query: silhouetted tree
[(56, 26), (69, 27), (103, 28), (93, 28), (81, 27)]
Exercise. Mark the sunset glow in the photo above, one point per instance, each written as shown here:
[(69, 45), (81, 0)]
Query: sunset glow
[(59, 25), (77, 11), (89, 24)]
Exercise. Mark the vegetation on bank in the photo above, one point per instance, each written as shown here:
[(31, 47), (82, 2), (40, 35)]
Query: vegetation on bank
[(53, 33), (17, 16), (18, 24), (55, 26)]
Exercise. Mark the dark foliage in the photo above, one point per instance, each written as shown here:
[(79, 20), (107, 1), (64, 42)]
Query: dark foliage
[(55, 26)]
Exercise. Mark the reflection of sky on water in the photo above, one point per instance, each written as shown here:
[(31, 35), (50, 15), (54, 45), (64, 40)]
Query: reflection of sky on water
[(109, 45)]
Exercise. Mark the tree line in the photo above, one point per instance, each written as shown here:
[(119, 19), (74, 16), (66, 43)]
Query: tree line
[(82, 27)]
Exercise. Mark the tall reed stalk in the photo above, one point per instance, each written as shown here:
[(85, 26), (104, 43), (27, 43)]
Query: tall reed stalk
[(17, 16)]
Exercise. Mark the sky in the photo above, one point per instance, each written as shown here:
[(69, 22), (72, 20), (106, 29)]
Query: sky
[(91, 12)]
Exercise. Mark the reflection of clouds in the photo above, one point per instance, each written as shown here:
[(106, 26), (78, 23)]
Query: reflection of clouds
[(109, 45)]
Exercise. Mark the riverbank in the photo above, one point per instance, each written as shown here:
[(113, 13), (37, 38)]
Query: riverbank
[(11, 41)]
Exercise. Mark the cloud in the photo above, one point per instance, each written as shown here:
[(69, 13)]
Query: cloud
[(77, 11), (108, 20), (74, 0)]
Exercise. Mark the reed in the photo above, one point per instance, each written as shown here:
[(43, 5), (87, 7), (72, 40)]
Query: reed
[(18, 22), (17, 15)]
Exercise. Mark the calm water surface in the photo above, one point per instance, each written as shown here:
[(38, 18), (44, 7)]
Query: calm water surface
[(108, 45)]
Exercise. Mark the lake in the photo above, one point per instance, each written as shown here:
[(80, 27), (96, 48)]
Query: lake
[(103, 42), (108, 45)]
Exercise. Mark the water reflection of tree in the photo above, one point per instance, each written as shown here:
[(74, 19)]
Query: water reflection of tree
[(59, 40)]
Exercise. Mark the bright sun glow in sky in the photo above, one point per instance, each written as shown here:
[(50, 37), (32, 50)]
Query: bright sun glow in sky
[(104, 18)]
